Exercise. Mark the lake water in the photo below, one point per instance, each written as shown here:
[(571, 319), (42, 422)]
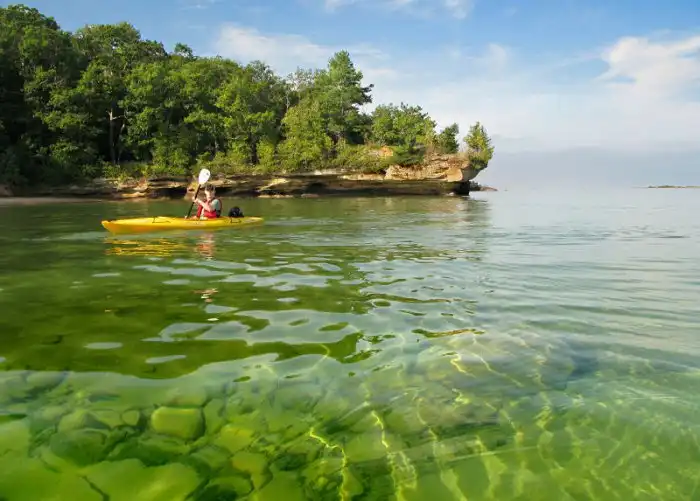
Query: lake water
[(511, 346)]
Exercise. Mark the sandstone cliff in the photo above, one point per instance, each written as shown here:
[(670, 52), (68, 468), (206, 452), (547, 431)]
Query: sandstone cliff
[(437, 175), (451, 168)]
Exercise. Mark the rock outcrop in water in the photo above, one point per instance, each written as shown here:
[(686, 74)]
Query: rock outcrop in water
[(308, 185), (438, 175)]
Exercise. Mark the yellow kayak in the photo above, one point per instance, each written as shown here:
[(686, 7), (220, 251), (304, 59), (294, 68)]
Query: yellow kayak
[(160, 223)]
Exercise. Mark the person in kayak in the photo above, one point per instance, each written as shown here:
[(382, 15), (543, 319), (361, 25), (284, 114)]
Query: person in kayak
[(210, 208)]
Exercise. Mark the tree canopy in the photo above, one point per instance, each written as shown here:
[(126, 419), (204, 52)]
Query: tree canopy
[(103, 101)]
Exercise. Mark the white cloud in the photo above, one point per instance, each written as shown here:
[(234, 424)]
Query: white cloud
[(654, 69), (641, 98), (285, 52), (459, 9)]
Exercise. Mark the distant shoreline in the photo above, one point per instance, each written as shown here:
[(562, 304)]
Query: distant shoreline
[(673, 187)]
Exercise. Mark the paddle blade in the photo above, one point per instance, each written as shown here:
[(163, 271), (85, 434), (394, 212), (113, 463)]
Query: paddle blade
[(204, 176)]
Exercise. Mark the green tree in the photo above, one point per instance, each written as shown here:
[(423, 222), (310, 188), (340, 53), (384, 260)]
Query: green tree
[(479, 148), (253, 101), (307, 144), (447, 139), (341, 93), (37, 59), (407, 129), (103, 100), (112, 52)]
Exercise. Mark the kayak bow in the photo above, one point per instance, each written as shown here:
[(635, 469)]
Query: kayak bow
[(160, 223)]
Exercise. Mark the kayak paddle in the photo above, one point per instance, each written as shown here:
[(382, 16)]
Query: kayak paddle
[(203, 178)]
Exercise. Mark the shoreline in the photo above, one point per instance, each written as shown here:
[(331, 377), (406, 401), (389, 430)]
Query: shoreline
[(286, 186)]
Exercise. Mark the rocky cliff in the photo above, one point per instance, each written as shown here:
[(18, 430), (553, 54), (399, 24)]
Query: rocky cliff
[(438, 175), (256, 186)]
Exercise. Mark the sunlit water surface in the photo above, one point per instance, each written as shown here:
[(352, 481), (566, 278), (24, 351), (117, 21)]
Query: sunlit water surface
[(505, 347)]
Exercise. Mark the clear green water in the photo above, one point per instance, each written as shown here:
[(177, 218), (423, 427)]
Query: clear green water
[(508, 347)]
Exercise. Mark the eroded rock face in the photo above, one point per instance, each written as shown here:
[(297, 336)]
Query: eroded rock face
[(437, 167), (438, 175)]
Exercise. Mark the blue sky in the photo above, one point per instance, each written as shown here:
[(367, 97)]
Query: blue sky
[(542, 75)]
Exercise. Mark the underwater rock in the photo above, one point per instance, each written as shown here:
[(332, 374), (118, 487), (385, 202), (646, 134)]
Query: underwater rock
[(28, 479), (428, 486), (187, 424), (289, 424), (404, 421), (323, 467), (131, 480), (323, 477), (305, 446), (150, 449), (353, 486), (46, 418), (43, 381), (13, 388), (250, 462), (299, 397), (213, 418), (14, 437), (78, 420), (473, 477), (332, 407), (109, 418), (284, 485), (288, 462), (187, 397), (210, 457), (374, 478), (226, 488), (234, 438), (131, 418), (388, 380), (238, 411), (84, 447), (365, 447)]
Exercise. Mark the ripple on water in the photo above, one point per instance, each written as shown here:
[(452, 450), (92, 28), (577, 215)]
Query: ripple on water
[(214, 308), (288, 300), (171, 333), (104, 346), (162, 360), (283, 281), (571, 380), (195, 272)]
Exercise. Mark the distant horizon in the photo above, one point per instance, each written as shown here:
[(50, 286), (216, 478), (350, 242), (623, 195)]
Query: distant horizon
[(592, 167)]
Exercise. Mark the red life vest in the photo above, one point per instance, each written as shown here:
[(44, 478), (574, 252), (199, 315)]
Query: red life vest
[(209, 214)]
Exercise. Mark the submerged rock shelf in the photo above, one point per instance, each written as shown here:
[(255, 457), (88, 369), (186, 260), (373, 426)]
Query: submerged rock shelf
[(441, 428), (231, 431)]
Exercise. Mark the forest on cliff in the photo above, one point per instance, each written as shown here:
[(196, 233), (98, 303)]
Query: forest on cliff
[(104, 102)]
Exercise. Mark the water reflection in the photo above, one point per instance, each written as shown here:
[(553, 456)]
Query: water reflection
[(206, 245), (153, 248)]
